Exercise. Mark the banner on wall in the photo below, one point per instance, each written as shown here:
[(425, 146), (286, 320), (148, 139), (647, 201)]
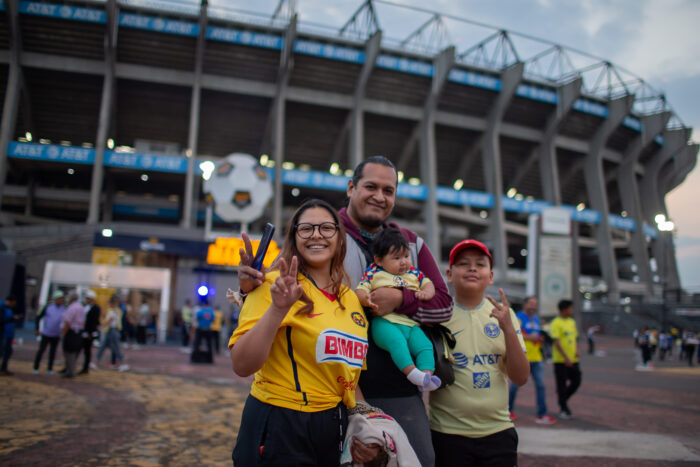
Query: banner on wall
[(555, 272)]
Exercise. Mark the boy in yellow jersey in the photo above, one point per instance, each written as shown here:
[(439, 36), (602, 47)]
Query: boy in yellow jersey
[(469, 420), (565, 356)]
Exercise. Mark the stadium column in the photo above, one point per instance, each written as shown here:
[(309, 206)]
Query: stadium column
[(549, 173), (652, 125), (190, 205), (442, 64), (673, 175), (12, 92), (103, 124), (618, 109), (491, 156), (278, 116), (356, 140), (652, 197)]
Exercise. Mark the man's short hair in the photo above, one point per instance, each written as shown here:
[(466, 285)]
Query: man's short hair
[(387, 240), (381, 160), (564, 304), (10, 298)]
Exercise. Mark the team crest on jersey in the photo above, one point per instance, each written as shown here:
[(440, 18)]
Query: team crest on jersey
[(482, 380), (337, 346), (492, 330), (358, 319), (399, 282)]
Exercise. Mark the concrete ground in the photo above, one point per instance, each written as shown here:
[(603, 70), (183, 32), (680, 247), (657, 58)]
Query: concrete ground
[(165, 411)]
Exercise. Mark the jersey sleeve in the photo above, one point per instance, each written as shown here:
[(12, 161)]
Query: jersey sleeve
[(366, 281), (254, 307)]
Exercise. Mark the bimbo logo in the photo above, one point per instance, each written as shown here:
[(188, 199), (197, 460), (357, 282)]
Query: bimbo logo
[(336, 346)]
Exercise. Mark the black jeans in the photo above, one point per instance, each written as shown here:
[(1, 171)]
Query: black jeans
[(52, 342), (6, 349), (568, 380), (87, 350), (275, 436), (496, 450)]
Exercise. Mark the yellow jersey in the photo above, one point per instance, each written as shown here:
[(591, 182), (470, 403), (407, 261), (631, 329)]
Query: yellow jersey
[(476, 405), (565, 330), (316, 358)]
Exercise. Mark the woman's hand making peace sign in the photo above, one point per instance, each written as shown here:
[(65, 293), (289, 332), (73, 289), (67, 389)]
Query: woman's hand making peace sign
[(285, 291)]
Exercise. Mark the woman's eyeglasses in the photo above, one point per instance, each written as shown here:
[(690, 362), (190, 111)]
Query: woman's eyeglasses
[(326, 229)]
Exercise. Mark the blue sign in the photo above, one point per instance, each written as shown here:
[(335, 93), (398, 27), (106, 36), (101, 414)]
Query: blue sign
[(89, 15), (633, 123), (525, 206), (156, 163), (405, 65), (477, 199), (332, 52), (590, 107), (151, 23), (51, 153), (650, 231), (476, 80), (622, 223), (253, 39), (537, 94)]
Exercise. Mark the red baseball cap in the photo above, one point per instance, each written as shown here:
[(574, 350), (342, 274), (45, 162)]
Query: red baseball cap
[(464, 244)]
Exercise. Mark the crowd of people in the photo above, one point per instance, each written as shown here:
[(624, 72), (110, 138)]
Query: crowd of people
[(79, 327), (330, 369), (652, 343)]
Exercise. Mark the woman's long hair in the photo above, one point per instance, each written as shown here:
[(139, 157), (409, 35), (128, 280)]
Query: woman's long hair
[(289, 250)]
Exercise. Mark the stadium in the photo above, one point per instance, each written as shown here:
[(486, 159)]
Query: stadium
[(110, 108)]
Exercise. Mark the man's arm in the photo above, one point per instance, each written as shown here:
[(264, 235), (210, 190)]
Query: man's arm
[(567, 360)]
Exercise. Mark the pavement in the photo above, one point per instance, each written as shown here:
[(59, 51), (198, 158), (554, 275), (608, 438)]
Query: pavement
[(166, 411)]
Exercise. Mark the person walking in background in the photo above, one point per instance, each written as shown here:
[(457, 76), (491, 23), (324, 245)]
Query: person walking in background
[(186, 316), (203, 318), (144, 315), (71, 332), (690, 344), (216, 325), (49, 320), (565, 356), (590, 336), (532, 335), (111, 328), (8, 317), (128, 326), (91, 329)]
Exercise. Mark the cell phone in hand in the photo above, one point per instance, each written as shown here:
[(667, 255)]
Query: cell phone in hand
[(268, 232)]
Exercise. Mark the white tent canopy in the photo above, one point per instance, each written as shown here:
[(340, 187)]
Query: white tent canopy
[(102, 275)]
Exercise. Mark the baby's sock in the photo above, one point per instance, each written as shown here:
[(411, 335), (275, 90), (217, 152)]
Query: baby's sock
[(432, 385), (419, 378)]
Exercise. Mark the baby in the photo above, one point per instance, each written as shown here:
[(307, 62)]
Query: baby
[(398, 334)]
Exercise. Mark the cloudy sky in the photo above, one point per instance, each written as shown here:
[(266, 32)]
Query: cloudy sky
[(653, 39)]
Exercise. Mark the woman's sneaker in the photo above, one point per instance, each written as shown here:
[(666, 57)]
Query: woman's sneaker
[(123, 367), (564, 415)]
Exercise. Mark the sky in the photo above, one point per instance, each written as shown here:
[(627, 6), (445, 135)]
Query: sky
[(653, 39)]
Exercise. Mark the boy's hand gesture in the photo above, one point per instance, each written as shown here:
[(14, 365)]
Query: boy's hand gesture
[(285, 291), (501, 311)]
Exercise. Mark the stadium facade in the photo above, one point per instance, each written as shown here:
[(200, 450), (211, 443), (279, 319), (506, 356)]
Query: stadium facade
[(110, 106)]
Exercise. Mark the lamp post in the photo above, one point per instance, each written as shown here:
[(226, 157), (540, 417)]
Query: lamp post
[(665, 227)]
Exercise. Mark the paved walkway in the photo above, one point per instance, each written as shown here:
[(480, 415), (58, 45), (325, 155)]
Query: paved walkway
[(165, 411)]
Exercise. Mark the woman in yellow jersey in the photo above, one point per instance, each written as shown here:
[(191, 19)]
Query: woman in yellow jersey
[(304, 335)]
